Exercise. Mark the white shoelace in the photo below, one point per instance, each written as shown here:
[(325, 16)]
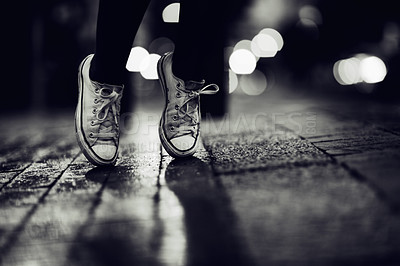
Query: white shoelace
[(107, 115), (189, 125)]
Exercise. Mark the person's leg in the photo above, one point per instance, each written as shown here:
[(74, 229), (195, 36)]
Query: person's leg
[(200, 39), (204, 27), (198, 56), (117, 24), (182, 74), (101, 79)]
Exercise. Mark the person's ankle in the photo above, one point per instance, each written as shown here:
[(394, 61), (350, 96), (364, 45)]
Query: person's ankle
[(104, 77)]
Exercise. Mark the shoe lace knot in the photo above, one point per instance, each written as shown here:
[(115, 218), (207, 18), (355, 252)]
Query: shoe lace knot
[(188, 112), (108, 113)]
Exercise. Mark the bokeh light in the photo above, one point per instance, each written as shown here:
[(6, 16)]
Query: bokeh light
[(246, 45), (253, 84), (274, 34), (309, 24), (135, 59), (310, 18), (359, 68), (264, 45), (242, 61), (347, 72), (233, 81), (148, 67), (243, 44), (310, 13), (170, 13), (372, 69)]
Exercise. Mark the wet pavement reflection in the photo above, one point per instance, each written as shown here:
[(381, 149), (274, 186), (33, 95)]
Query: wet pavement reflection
[(212, 236), (186, 219), (132, 222)]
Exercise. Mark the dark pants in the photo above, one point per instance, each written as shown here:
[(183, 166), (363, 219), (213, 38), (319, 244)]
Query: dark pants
[(200, 38)]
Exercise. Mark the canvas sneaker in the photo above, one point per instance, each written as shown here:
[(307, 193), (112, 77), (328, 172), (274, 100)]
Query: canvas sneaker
[(97, 117), (180, 120)]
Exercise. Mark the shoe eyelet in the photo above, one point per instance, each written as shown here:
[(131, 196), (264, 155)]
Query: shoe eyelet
[(91, 135), (176, 107), (175, 117), (92, 123), (95, 100), (178, 95), (171, 128), (94, 111), (96, 90), (178, 85)]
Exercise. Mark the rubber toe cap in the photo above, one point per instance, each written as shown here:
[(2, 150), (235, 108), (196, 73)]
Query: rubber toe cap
[(183, 143), (105, 152)]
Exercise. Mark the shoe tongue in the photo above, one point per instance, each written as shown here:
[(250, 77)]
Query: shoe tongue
[(194, 85)]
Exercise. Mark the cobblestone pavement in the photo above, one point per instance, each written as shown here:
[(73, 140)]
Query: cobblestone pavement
[(280, 180)]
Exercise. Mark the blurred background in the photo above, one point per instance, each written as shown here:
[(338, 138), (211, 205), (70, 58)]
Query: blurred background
[(327, 47)]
